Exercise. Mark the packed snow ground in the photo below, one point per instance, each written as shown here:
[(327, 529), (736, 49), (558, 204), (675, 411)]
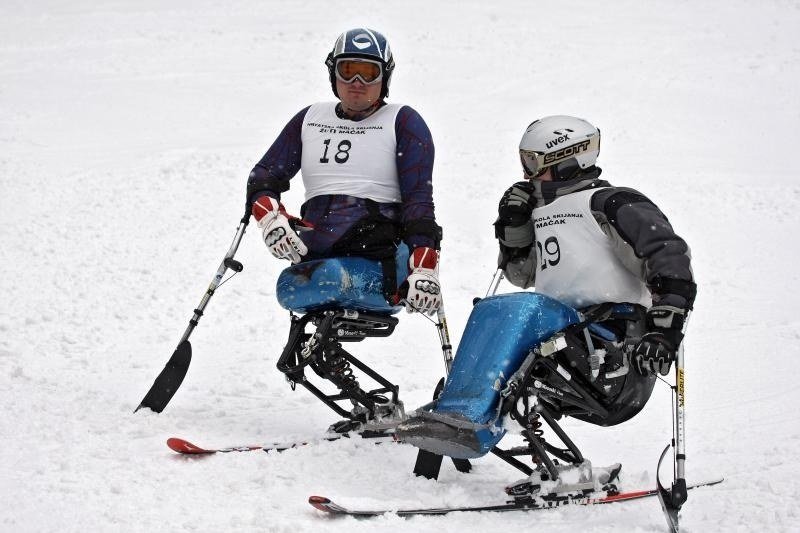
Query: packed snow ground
[(127, 130)]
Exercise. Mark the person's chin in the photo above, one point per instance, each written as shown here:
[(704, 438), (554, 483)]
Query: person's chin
[(359, 105)]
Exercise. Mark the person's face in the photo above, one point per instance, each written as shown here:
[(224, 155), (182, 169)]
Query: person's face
[(547, 175), (356, 96)]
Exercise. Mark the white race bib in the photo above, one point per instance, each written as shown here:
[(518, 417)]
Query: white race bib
[(342, 156), (575, 260)]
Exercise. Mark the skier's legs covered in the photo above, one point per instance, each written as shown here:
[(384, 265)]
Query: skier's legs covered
[(464, 422), (352, 283), (509, 352)]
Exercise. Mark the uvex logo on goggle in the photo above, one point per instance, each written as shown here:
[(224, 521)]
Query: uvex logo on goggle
[(362, 41), (567, 151)]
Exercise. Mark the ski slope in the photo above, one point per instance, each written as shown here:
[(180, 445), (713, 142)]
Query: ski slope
[(128, 129)]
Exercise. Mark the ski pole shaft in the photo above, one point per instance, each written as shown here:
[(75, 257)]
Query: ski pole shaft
[(496, 279), (680, 414), (228, 262), (444, 338), (673, 499), (680, 411)]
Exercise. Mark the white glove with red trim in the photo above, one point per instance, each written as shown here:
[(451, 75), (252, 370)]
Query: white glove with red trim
[(278, 229), (422, 290)]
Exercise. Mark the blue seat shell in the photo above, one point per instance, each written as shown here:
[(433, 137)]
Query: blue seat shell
[(338, 283)]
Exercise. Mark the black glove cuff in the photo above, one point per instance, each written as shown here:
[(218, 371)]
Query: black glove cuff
[(427, 227), (669, 338), (665, 317), (666, 321)]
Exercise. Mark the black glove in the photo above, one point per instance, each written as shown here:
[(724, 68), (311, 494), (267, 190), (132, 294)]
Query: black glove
[(658, 348), (514, 227)]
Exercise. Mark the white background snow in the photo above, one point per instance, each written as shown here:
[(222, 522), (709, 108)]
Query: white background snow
[(127, 130)]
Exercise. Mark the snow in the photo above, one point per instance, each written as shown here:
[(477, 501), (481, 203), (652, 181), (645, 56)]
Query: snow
[(127, 133)]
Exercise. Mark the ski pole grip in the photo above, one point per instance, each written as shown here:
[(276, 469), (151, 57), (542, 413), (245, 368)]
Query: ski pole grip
[(233, 264)]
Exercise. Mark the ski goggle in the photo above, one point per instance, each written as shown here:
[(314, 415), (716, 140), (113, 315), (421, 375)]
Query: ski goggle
[(366, 70), (535, 163)]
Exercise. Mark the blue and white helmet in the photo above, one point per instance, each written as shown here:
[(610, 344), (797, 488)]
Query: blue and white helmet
[(364, 43)]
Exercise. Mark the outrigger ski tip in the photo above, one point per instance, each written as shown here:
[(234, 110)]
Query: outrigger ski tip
[(326, 505)]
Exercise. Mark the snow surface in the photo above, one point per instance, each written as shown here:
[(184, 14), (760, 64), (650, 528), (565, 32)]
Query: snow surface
[(127, 130)]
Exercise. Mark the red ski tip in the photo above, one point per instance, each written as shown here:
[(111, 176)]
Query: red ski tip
[(184, 446), (319, 502)]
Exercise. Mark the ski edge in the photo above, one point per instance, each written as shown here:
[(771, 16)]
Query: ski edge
[(328, 506), (184, 447)]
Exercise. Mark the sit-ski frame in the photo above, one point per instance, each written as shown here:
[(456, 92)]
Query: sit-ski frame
[(540, 450)]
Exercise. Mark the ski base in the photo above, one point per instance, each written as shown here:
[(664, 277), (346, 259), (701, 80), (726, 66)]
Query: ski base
[(531, 504)]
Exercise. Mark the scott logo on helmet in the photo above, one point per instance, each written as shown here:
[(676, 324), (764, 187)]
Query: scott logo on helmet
[(566, 152)]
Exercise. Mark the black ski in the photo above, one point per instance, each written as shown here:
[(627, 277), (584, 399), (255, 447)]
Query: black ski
[(328, 506)]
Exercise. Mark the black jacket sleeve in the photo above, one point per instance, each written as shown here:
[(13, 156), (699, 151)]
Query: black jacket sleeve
[(414, 158), (647, 244)]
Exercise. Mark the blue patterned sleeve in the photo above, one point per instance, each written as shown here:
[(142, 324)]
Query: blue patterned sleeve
[(415, 153), (280, 164)]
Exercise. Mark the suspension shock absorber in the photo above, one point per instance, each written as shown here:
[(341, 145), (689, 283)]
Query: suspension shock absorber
[(339, 370), (533, 430), (531, 420), (535, 425)]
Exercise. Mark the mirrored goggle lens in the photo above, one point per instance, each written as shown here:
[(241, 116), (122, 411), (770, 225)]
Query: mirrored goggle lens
[(532, 162), (368, 71)]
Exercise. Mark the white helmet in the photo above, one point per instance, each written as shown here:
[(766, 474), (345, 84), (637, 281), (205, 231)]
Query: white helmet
[(571, 143)]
